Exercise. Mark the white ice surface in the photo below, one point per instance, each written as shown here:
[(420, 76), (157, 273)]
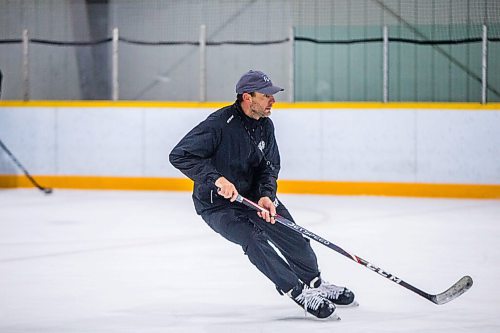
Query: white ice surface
[(106, 261)]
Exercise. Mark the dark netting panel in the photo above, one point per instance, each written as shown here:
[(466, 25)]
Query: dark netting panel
[(434, 50)]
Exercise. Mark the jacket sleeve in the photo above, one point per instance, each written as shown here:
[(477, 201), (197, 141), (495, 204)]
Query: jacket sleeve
[(192, 155), (269, 167)]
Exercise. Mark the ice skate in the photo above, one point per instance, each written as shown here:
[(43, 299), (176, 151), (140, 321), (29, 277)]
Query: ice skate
[(313, 301), (340, 296)]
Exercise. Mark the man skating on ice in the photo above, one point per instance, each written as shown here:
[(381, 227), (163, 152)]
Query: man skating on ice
[(234, 151)]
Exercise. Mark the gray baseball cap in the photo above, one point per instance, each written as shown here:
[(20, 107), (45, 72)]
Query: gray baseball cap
[(257, 81)]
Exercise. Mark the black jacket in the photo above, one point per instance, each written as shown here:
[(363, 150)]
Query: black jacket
[(228, 144)]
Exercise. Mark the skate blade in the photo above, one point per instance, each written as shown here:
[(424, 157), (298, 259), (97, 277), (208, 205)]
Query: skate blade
[(354, 304), (334, 317)]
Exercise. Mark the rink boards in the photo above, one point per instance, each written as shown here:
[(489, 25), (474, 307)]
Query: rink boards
[(404, 149)]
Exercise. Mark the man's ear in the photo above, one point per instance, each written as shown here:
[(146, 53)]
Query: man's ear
[(247, 97)]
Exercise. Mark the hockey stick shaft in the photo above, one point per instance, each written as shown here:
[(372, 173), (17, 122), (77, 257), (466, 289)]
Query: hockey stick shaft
[(453, 292), (26, 173)]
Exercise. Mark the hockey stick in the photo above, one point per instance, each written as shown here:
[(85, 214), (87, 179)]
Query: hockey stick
[(46, 190), (460, 287)]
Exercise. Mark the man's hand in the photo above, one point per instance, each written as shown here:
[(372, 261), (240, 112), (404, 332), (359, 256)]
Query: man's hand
[(266, 203), (226, 188)]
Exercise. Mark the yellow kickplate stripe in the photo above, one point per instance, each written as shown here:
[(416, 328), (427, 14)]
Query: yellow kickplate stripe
[(114, 104), (279, 105), (391, 189), (99, 183), (285, 186)]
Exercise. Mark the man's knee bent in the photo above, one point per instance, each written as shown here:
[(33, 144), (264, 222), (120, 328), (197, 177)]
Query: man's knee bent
[(256, 241)]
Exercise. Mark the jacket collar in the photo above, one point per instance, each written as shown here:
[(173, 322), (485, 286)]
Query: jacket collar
[(246, 119)]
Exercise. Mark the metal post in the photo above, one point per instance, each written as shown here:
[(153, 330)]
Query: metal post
[(26, 66), (484, 87), (291, 65), (114, 66), (385, 65), (203, 63)]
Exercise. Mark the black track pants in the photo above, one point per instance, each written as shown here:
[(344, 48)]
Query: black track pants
[(243, 226)]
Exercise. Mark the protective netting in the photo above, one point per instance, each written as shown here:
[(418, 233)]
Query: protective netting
[(434, 52), (434, 48)]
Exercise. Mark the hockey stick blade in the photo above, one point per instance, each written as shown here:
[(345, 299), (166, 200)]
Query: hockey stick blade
[(453, 292), (46, 190), (460, 287)]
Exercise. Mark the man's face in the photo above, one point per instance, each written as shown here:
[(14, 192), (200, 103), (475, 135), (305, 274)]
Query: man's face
[(261, 105)]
